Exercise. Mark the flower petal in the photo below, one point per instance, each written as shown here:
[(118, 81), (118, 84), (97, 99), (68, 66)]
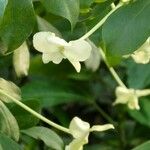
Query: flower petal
[(122, 95), (76, 144), (54, 57), (46, 42), (102, 127), (134, 104), (93, 62), (142, 55), (79, 128), (78, 50), (76, 65)]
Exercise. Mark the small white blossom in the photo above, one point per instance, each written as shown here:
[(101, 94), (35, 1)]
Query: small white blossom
[(125, 1), (55, 49), (142, 55), (93, 62), (130, 96), (80, 131)]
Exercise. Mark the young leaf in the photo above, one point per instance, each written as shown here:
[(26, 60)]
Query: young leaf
[(17, 23), (8, 123), (8, 144), (9, 88), (126, 29), (144, 146), (49, 137), (68, 9), (21, 60)]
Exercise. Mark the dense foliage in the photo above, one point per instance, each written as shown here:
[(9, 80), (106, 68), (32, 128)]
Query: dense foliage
[(83, 83)]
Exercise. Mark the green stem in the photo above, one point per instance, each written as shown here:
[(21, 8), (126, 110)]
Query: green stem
[(107, 117), (99, 24), (35, 113), (111, 69)]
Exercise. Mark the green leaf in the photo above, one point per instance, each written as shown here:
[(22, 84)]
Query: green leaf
[(142, 115), (138, 75), (144, 146), (17, 23), (9, 88), (8, 123), (3, 4), (68, 9), (8, 144), (49, 137), (44, 25), (25, 119), (126, 30), (49, 93)]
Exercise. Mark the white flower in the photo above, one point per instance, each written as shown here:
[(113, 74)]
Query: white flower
[(55, 49), (125, 1), (142, 55), (130, 96), (21, 60), (80, 131), (93, 62)]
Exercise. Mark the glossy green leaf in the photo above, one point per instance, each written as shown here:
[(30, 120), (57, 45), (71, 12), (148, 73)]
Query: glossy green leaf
[(25, 119), (9, 88), (49, 137), (138, 75), (144, 146), (17, 23), (126, 30), (8, 123), (68, 9), (44, 25), (8, 144), (3, 4), (142, 115), (49, 93)]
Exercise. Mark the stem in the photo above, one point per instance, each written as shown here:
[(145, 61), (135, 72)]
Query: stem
[(35, 113), (100, 23), (111, 69), (107, 117)]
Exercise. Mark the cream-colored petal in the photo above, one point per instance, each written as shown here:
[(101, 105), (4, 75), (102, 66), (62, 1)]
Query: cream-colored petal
[(76, 144), (21, 60), (79, 128), (93, 62), (133, 103), (144, 92), (102, 127), (122, 95), (142, 55), (78, 50), (46, 42), (76, 65), (54, 57)]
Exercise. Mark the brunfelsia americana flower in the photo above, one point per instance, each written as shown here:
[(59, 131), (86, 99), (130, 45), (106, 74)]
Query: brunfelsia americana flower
[(142, 55), (130, 96), (55, 49), (80, 131)]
